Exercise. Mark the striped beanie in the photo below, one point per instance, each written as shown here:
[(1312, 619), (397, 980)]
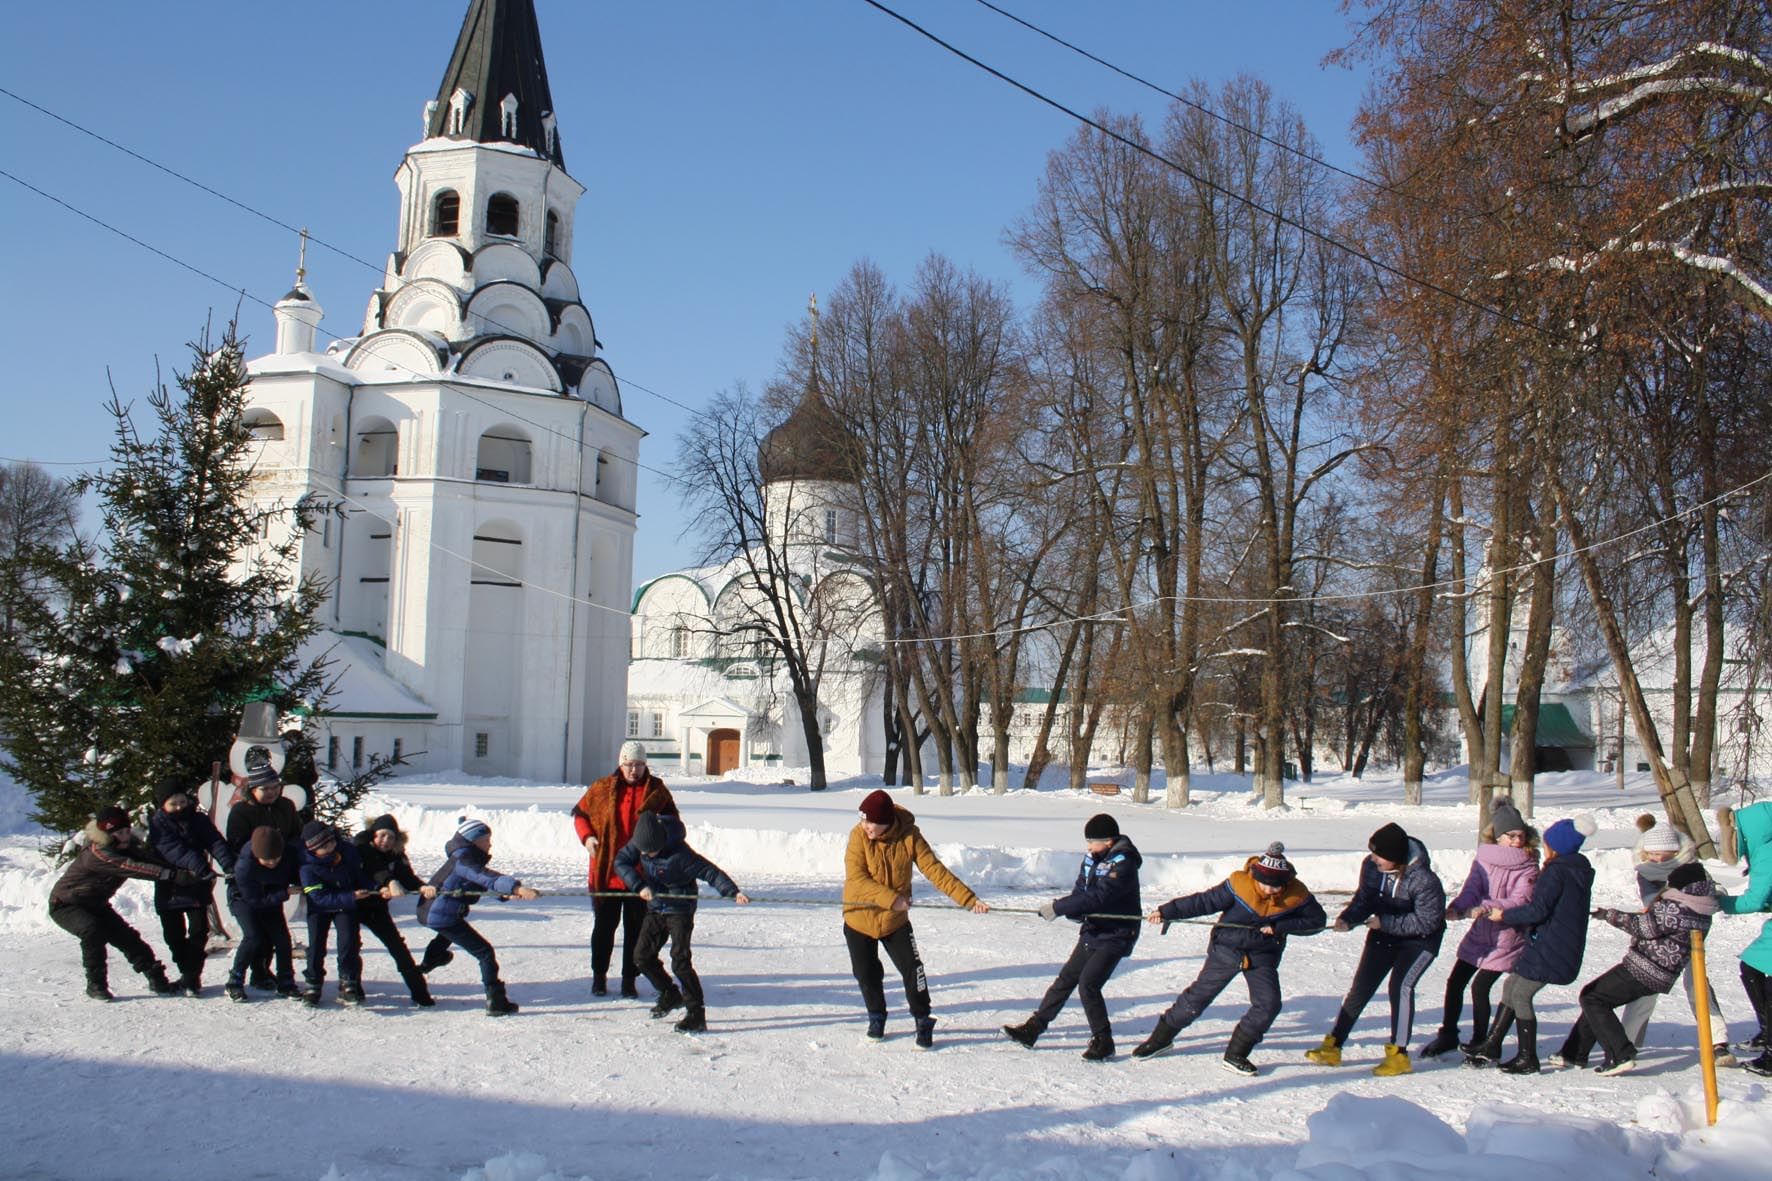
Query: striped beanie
[(472, 828), (1272, 868)]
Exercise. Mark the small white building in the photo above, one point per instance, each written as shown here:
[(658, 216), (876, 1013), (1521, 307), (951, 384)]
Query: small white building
[(472, 436), (704, 698)]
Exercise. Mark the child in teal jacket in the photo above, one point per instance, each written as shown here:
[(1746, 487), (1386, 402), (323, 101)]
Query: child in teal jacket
[(1753, 826)]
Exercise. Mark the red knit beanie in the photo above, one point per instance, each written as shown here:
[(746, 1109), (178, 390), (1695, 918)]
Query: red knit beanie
[(876, 807)]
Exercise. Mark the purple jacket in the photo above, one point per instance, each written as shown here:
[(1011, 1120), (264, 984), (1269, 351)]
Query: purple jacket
[(1500, 876)]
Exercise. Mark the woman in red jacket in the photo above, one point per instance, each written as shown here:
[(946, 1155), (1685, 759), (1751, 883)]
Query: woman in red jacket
[(604, 819)]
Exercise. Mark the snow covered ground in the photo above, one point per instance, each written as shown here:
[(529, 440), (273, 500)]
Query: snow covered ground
[(782, 1085)]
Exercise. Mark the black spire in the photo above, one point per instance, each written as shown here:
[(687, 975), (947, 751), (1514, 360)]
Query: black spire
[(499, 53)]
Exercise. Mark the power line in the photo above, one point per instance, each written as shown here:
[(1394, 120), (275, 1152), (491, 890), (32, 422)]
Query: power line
[(1307, 230), (440, 379), (1188, 102), (266, 217)]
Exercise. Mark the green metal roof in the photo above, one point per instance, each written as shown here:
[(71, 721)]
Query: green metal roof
[(1556, 727)]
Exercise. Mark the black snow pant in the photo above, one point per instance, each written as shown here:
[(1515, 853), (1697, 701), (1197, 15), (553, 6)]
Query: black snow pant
[(1221, 967), (1087, 969), (1404, 960), (864, 961), (627, 910), (679, 929), (187, 935), (321, 923), (470, 941), (378, 921), (97, 927), (1481, 981), (1759, 994), (1610, 990), (264, 933)]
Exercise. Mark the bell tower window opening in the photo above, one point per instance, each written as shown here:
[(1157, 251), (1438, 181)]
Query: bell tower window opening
[(459, 102), (446, 214), (507, 117), (551, 236), (502, 215)]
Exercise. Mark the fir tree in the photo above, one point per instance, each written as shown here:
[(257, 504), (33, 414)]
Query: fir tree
[(132, 653)]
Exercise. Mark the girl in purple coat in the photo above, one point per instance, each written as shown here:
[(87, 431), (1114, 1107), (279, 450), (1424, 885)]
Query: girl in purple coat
[(1502, 875)]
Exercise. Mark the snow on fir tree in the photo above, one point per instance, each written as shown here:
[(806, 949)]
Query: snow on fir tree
[(132, 652)]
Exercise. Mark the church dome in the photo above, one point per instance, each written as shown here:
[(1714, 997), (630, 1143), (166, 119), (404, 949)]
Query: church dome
[(813, 444)]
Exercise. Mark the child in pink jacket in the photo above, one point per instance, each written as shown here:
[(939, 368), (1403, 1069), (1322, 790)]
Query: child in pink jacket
[(1501, 876)]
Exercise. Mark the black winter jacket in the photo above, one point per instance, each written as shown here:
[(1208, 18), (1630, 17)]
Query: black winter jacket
[(187, 840), (1106, 884), (1410, 904), (384, 868), (246, 816), (258, 887), (331, 883), (674, 869), (1557, 916), (103, 866)]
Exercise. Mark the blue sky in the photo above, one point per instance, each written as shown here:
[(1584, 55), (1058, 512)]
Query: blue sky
[(738, 157)]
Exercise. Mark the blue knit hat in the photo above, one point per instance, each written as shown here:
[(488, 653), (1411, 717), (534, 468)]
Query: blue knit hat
[(1567, 836), (471, 828)]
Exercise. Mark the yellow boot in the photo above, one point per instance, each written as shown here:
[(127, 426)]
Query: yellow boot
[(1396, 1061), (1327, 1054)]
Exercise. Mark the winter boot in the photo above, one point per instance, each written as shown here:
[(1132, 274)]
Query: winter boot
[(1025, 1034), (419, 988), (1526, 1061), (876, 1027), (261, 981), (310, 996), (98, 990), (158, 982), (351, 992), (1160, 1039), (1100, 1048), (1621, 1066), (630, 991), (1761, 1066), (695, 1020), (1490, 1050), (1396, 1061), (190, 986), (925, 1033), (600, 984), (1236, 1055), (289, 991), (1327, 1054), (437, 954), (235, 993), (1722, 1055), (1444, 1042), (497, 1003), (669, 997)]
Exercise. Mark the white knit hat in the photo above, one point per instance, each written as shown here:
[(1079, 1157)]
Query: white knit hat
[(633, 751), (1663, 838)]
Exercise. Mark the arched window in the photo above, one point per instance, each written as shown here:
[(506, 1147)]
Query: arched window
[(503, 457), (550, 244), (377, 449), (446, 214), (264, 426), (502, 215)]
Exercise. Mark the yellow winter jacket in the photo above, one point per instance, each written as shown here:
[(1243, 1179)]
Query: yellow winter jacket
[(878, 872)]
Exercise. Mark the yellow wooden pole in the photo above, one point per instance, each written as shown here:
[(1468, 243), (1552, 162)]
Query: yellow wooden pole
[(1707, 1059)]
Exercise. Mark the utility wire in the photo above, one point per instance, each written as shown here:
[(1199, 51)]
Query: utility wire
[(1205, 182), (1190, 103)]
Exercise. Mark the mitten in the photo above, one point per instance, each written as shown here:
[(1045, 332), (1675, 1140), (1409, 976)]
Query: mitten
[(1048, 910)]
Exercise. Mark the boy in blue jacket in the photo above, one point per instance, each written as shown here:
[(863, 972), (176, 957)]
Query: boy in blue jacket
[(1107, 884), (1257, 907), (186, 838), (264, 872), (333, 881), (465, 877), (659, 866), (1402, 904)]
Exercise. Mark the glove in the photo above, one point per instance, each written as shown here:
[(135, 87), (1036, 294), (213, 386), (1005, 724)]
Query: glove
[(186, 877), (1598, 912), (1048, 910), (395, 889)]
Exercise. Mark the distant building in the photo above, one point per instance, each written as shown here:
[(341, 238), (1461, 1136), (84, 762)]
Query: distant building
[(473, 435)]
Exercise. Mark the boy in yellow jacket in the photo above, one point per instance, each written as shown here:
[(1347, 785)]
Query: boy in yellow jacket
[(876, 903)]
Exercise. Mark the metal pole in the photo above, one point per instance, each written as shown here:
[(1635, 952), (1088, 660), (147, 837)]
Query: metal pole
[(1707, 1060)]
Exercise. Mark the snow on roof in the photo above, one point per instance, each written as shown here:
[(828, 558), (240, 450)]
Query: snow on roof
[(361, 685), (688, 680)]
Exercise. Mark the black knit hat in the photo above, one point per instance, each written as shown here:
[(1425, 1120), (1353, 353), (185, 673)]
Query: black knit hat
[(316, 834), (649, 833), (1688, 874), (167, 788), (386, 822), (111, 818), (1101, 827), (1272, 868), (1390, 843)]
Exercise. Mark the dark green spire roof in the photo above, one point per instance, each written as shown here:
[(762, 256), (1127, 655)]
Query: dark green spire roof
[(497, 53)]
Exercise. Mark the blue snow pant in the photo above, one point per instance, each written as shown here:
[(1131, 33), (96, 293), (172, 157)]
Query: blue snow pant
[(470, 941), (263, 932), (1405, 960), (350, 947), (1262, 976), (1087, 969)]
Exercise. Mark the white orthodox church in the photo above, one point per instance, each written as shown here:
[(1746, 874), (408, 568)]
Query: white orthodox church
[(473, 436), (706, 698)]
